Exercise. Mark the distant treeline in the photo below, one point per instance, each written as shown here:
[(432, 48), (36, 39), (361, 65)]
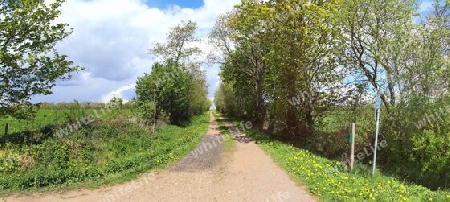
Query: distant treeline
[(75, 105)]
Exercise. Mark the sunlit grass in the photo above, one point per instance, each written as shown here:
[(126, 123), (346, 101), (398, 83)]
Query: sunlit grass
[(325, 181), (109, 151)]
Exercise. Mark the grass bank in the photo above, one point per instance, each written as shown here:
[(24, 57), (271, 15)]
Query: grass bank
[(104, 152)]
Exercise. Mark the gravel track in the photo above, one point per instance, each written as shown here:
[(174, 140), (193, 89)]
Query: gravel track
[(206, 156)]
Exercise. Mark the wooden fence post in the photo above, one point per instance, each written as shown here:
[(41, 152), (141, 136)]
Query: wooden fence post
[(352, 145), (6, 129)]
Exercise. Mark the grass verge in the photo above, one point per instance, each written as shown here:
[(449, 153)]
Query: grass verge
[(325, 180), (228, 143)]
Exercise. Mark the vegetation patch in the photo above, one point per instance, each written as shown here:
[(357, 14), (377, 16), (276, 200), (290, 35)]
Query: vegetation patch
[(314, 172), (105, 152), (228, 144)]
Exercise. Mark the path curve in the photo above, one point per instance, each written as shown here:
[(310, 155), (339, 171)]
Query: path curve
[(245, 174)]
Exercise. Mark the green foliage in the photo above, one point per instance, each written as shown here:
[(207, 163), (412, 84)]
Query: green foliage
[(29, 62), (49, 116), (175, 92), (176, 87), (269, 63), (314, 171), (225, 101), (176, 48), (148, 112), (116, 103), (418, 135), (289, 66), (331, 137), (102, 153)]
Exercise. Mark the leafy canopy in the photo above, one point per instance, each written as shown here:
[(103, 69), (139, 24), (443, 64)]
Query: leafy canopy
[(29, 63)]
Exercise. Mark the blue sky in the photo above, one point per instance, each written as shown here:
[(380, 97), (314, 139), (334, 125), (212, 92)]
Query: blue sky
[(111, 39), (182, 3)]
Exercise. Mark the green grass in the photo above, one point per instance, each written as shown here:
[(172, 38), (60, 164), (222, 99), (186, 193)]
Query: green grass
[(106, 152), (228, 144), (325, 180), (44, 117)]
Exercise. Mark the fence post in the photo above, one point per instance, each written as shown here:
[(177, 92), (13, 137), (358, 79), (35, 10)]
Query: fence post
[(6, 129), (352, 145)]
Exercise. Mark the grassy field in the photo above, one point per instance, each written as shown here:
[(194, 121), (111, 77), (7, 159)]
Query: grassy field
[(107, 151), (44, 117), (329, 180)]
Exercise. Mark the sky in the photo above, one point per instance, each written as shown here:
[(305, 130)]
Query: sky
[(111, 37)]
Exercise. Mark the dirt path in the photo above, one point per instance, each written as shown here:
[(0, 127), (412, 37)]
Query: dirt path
[(245, 174)]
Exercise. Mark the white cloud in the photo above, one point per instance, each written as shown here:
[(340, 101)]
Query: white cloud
[(111, 38), (117, 93)]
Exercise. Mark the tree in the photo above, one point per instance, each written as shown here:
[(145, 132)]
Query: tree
[(29, 62), (176, 87), (242, 29), (220, 38), (430, 70), (178, 47), (302, 39), (279, 49), (172, 93), (377, 43)]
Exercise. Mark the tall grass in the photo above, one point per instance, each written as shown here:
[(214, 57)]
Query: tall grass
[(106, 151)]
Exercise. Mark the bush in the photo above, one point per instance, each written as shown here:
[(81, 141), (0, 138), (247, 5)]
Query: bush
[(417, 133), (177, 93), (419, 142)]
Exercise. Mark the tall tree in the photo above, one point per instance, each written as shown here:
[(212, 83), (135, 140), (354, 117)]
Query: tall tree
[(244, 27), (29, 63), (172, 93), (431, 65), (179, 47), (377, 42), (177, 85), (302, 40)]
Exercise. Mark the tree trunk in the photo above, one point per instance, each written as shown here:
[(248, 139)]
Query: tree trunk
[(391, 89), (260, 106)]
